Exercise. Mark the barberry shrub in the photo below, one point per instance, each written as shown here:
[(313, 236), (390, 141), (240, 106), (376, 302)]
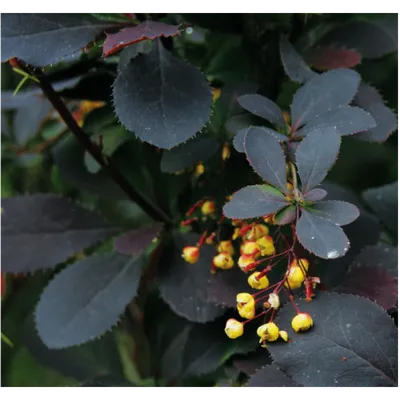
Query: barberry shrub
[(199, 200)]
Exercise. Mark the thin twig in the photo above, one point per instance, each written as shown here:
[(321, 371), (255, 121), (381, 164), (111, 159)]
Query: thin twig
[(151, 209)]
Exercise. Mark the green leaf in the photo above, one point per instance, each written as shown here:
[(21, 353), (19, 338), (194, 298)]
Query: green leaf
[(187, 154), (163, 100), (316, 155), (353, 343), (183, 286), (264, 108), (346, 120), (321, 237), (42, 230), (254, 201), (285, 216), (79, 362), (295, 67), (25, 371), (86, 299), (384, 202), (266, 156), (330, 90), (338, 212), (42, 39)]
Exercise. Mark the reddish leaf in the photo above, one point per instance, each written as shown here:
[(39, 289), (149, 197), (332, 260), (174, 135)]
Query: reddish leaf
[(146, 30), (130, 15), (331, 57), (372, 282), (3, 284)]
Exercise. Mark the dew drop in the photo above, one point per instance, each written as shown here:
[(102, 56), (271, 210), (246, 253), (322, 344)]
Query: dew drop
[(189, 30), (312, 237), (386, 250), (333, 254), (121, 42), (348, 325)]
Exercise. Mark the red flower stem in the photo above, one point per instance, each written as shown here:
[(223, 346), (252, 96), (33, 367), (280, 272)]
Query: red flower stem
[(256, 316), (272, 315), (202, 239), (188, 221), (264, 290), (292, 301), (194, 207), (254, 264)]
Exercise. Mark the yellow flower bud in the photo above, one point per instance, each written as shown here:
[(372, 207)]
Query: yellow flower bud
[(249, 248), (245, 260), (302, 322), (191, 254), (266, 246), (226, 246), (246, 305), (268, 220), (223, 260), (263, 283), (295, 278), (301, 262), (233, 328), (216, 92), (273, 300), (257, 232), (226, 152), (268, 332), (284, 335), (236, 233), (208, 207), (289, 188), (199, 170)]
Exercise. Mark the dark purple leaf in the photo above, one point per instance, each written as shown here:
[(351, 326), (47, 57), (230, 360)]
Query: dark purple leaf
[(337, 212), (146, 30), (239, 122), (295, 67), (386, 123), (372, 282), (332, 57), (373, 39), (160, 98), (367, 95), (42, 39), (384, 202), (270, 376), (132, 243), (86, 299), (254, 201), (264, 108), (42, 230), (228, 104), (225, 285), (315, 155), (364, 231), (321, 237), (347, 120), (315, 194), (184, 286), (353, 343), (380, 255), (251, 363), (285, 216), (325, 92), (187, 154), (129, 53), (238, 141), (266, 156)]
